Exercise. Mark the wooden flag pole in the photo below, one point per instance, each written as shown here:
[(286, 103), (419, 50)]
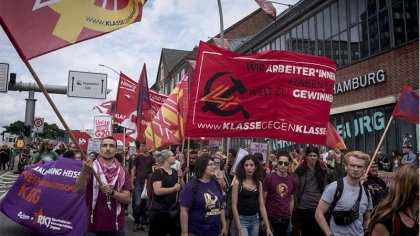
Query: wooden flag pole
[(57, 112), (188, 159), (227, 146), (267, 162), (124, 148), (153, 132), (379, 144)]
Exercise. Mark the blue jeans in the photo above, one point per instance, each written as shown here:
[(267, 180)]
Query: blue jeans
[(250, 225), (140, 209)]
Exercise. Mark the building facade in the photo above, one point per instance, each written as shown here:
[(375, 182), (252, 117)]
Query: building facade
[(375, 46)]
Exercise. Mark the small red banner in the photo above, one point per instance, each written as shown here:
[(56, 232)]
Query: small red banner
[(275, 94)]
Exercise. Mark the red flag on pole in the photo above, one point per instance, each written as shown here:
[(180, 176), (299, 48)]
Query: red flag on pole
[(125, 98), (168, 124), (334, 140), (407, 107), (107, 107), (268, 8), (38, 27)]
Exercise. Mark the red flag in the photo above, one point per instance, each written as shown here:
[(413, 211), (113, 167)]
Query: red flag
[(107, 107), (167, 127), (268, 8), (37, 27), (125, 98), (407, 107), (274, 94), (334, 140), (82, 138)]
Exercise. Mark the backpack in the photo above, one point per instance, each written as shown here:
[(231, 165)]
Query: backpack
[(337, 196)]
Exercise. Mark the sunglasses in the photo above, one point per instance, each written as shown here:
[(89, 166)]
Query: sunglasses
[(283, 163)]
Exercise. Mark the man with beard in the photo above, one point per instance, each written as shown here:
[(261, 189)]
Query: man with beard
[(190, 170), (105, 201), (46, 153), (351, 212), (375, 185)]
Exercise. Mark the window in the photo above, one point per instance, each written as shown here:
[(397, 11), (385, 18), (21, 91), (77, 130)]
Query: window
[(305, 35), (278, 44), (328, 51), (336, 50), (411, 20), (320, 27), (384, 34), (282, 43), (399, 29), (353, 12), (334, 19), (373, 35), (299, 38), (294, 35), (363, 37), (312, 38), (362, 9), (371, 6), (327, 23), (343, 49), (354, 44), (288, 42), (342, 14)]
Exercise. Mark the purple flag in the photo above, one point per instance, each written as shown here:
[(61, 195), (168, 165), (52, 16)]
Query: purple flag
[(43, 199)]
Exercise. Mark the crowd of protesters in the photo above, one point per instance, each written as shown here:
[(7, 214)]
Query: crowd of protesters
[(307, 191)]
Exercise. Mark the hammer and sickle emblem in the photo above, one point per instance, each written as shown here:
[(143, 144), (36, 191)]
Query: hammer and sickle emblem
[(221, 98)]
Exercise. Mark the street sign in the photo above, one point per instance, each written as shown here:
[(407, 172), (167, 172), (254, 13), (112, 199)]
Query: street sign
[(102, 127), (4, 75), (87, 85), (39, 125)]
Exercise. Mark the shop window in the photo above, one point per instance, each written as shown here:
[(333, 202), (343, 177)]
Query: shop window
[(343, 49), (362, 9), (384, 33), (373, 35), (327, 23), (399, 28), (353, 12), (411, 20), (321, 51), (294, 41), (354, 44), (334, 19), (288, 42), (363, 37), (312, 37), (342, 14)]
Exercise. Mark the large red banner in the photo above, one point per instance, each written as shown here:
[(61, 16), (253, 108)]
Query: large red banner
[(37, 27), (125, 98), (275, 94)]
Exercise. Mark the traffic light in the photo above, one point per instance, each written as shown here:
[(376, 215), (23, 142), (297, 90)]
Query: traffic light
[(27, 130), (12, 80)]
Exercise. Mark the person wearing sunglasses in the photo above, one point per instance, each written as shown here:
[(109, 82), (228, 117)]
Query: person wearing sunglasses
[(278, 190)]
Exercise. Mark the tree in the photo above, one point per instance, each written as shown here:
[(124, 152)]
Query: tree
[(15, 128), (52, 132)]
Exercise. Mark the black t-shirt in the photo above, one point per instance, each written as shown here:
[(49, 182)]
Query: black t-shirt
[(377, 188), (404, 230), (164, 202)]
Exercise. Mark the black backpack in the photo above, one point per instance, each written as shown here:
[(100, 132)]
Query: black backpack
[(337, 196)]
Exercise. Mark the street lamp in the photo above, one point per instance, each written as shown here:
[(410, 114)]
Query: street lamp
[(109, 68)]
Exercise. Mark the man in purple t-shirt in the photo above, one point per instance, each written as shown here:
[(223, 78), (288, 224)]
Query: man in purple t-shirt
[(142, 167), (278, 190)]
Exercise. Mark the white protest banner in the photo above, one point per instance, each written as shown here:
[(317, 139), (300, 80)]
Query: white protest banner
[(259, 147), (102, 127), (241, 154)]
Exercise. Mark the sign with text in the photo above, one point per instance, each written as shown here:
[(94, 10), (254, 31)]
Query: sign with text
[(43, 199), (259, 147), (275, 94), (93, 145), (4, 74), (102, 127), (39, 125), (87, 85)]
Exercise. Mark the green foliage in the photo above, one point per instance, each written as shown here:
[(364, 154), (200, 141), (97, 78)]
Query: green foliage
[(15, 128), (50, 131)]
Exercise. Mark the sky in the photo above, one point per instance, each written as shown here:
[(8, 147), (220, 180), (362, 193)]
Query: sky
[(175, 24)]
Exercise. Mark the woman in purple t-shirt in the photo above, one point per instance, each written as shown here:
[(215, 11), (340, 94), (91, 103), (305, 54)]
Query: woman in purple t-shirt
[(247, 198), (202, 203)]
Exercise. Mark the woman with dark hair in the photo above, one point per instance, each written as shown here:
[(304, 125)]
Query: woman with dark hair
[(398, 213), (396, 158), (202, 203), (311, 180), (247, 198), (166, 183)]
